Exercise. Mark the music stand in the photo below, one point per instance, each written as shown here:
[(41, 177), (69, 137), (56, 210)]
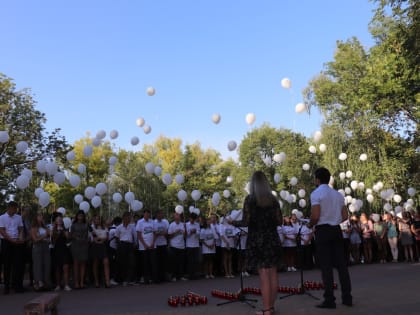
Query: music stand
[(241, 295), (300, 254)]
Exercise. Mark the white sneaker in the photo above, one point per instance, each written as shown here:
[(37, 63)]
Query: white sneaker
[(113, 282), (184, 279), (292, 268), (57, 288), (289, 269), (247, 274), (173, 279), (141, 280), (67, 288), (211, 276)]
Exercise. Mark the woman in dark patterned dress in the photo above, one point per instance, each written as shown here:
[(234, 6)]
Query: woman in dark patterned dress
[(262, 215)]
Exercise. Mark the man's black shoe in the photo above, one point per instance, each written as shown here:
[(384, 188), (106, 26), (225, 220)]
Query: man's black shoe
[(326, 305), (348, 303)]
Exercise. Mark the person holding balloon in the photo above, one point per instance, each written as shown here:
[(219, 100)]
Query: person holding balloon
[(61, 256)]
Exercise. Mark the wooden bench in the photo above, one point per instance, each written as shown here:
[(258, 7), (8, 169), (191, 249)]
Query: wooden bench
[(42, 304)]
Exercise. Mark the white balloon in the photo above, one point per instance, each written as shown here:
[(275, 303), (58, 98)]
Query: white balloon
[(140, 122), (78, 198), (195, 194), (369, 198), (317, 136), (113, 134), (267, 161), (302, 203), (4, 136), (216, 118), (349, 174), (51, 168), (70, 156), (398, 209), (352, 209), (129, 197), (277, 178), (27, 172), (226, 193), (331, 182), (354, 184), (302, 193), (59, 178), (101, 134), (312, 149), (136, 205), (229, 179), (277, 158), (135, 140), (21, 146), (347, 190), (369, 191), (179, 209), (74, 180), (38, 191), (179, 179), (87, 151), (167, 179), (22, 181), (150, 91), (306, 167), (216, 196), (90, 192), (375, 217), (411, 191), (389, 193), (147, 129), (342, 156), (215, 201), (96, 201), (363, 157), (196, 211), (250, 118), (281, 157), (116, 197), (300, 108), (322, 148), (380, 185), (81, 168), (101, 189), (157, 171), (67, 223), (231, 145), (348, 199), (286, 83), (289, 199), (397, 198), (150, 167), (96, 142), (44, 199), (113, 160), (247, 187), (387, 207), (293, 181), (182, 195), (361, 186), (342, 175), (85, 206)]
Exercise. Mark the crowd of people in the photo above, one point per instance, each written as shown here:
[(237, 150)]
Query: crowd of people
[(135, 249)]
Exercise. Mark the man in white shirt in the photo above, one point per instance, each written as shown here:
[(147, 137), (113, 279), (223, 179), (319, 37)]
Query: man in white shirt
[(146, 234), (327, 212), (126, 241), (176, 235), (161, 225), (12, 245), (192, 244)]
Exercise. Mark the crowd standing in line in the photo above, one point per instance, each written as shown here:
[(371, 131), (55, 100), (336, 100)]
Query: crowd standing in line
[(132, 250)]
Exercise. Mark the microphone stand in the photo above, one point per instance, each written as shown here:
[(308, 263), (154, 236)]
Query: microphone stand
[(300, 255), (241, 295)]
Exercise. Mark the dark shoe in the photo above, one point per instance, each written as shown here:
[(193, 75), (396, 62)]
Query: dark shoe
[(326, 305), (348, 303), (6, 291)]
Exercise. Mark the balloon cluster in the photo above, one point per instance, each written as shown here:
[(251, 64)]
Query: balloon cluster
[(189, 299)]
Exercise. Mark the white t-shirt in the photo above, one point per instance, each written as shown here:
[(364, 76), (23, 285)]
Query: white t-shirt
[(193, 235), (177, 241), (112, 238), (331, 202), (11, 225), (126, 233), (216, 228), (147, 230), (161, 227), (208, 236), (305, 235), (227, 234), (289, 231)]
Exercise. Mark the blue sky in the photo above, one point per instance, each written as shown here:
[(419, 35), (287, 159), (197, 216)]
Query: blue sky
[(89, 63)]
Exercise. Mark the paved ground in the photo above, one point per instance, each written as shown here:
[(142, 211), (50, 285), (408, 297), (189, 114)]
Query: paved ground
[(377, 290)]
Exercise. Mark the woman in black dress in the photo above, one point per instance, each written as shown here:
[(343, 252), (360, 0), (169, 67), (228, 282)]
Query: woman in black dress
[(262, 215), (61, 256)]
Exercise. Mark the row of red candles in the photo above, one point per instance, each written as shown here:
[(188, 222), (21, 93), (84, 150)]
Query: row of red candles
[(188, 299)]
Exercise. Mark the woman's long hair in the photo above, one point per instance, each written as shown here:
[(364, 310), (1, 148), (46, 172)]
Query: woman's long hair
[(260, 189)]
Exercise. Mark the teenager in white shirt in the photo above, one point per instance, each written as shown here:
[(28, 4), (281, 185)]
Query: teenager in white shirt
[(218, 260), (208, 239), (176, 235), (126, 241), (146, 234), (192, 244), (227, 234), (161, 245), (289, 244)]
